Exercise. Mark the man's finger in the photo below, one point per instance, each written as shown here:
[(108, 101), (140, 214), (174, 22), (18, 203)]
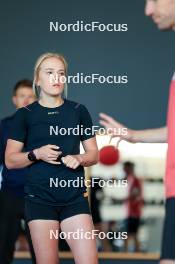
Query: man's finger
[(104, 123), (107, 118)]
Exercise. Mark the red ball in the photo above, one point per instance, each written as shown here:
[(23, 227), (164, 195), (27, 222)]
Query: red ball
[(109, 155)]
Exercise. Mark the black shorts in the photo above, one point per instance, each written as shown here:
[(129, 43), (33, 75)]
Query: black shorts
[(35, 210), (132, 225), (168, 239)]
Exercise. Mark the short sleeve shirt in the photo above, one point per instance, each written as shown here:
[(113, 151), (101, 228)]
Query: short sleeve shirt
[(134, 205), (170, 167), (65, 126)]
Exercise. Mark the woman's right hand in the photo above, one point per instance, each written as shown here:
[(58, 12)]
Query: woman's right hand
[(48, 153)]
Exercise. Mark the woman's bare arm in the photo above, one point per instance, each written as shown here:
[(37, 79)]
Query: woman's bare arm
[(90, 157), (16, 159)]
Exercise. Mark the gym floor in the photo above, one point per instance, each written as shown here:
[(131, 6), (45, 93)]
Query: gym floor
[(104, 258)]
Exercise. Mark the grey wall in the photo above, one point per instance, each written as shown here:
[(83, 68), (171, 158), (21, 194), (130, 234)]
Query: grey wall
[(145, 54)]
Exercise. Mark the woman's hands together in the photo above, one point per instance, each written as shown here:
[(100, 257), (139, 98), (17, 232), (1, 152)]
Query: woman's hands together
[(48, 153)]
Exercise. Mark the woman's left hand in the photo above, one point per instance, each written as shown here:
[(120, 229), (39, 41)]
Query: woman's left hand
[(71, 161)]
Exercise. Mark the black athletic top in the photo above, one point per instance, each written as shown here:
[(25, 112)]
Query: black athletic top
[(13, 181), (36, 126)]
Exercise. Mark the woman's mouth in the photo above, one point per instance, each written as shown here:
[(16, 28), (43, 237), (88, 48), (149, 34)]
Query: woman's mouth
[(56, 85)]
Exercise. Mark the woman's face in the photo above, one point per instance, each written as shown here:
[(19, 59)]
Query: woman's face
[(50, 72)]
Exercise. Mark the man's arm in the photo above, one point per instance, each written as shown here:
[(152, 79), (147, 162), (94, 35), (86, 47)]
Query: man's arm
[(157, 135)]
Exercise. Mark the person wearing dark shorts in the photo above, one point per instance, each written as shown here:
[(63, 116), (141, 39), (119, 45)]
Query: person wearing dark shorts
[(162, 13), (12, 186), (51, 130), (168, 249), (58, 213), (132, 224), (134, 204)]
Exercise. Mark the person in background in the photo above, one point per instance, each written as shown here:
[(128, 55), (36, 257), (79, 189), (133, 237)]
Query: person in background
[(12, 185), (134, 204), (96, 197)]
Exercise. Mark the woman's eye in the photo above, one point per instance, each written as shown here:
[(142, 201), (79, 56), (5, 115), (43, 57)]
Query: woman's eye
[(62, 73), (49, 72)]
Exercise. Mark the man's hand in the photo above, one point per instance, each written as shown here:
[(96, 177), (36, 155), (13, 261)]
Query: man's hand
[(114, 128), (155, 135)]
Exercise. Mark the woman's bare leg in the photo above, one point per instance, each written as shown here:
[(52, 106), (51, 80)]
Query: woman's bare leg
[(84, 250), (44, 243)]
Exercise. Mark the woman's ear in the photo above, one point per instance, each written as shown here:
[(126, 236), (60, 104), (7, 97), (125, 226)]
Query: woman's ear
[(14, 100)]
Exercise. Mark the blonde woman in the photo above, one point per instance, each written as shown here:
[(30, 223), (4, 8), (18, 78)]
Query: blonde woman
[(54, 158)]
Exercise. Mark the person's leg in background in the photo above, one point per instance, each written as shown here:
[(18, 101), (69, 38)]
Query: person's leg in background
[(136, 224), (132, 227), (21, 243), (9, 227), (129, 238), (29, 239), (12, 212), (26, 231), (136, 243), (102, 227)]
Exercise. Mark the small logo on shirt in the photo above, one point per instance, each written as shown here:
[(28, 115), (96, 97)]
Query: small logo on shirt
[(31, 195), (53, 113)]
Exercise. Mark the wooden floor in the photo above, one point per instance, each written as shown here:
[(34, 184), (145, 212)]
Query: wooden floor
[(102, 255)]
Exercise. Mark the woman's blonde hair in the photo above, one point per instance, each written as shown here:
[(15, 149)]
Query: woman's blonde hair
[(38, 63)]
